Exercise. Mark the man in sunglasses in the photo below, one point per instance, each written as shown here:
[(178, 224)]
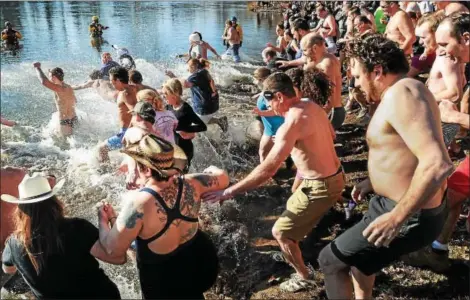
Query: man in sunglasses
[(307, 136), (400, 28)]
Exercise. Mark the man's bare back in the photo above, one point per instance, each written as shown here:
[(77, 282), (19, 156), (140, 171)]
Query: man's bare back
[(455, 7), (126, 101), (407, 112), (314, 152), (330, 65), (65, 102), (446, 80), (398, 27)]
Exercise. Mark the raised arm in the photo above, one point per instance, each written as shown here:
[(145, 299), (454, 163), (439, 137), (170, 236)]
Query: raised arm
[(44, 80)]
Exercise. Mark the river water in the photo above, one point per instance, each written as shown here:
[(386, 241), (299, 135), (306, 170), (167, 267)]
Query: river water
[(56, 34)]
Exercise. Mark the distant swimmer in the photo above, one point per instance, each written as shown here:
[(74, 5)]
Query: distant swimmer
[(64, 97), (198, 48), (124, 57), (103, 87), (95, 28), (10, 36)]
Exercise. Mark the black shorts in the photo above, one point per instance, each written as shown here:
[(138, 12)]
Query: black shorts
[(419, 230)]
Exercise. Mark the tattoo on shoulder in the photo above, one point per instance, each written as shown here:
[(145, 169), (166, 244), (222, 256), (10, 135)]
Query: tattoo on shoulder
[(207, 180), (130, 215)]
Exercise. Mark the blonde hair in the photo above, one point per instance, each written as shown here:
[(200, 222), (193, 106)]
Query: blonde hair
[(152, 97), (174, 86)]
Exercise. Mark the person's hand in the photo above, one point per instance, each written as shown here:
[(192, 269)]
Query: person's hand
[(448, 111), (217, 196), (219, 57), (131, 179), (361, 189), (382, 230), (169, 74), (423, 57), (256, 111), (282, 64), (37, 65), (106, 211), (269, 45)]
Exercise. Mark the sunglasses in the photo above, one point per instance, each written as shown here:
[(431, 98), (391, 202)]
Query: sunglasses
[(269, 95)]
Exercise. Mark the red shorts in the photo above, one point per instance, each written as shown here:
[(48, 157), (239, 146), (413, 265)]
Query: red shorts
[(459, 181)]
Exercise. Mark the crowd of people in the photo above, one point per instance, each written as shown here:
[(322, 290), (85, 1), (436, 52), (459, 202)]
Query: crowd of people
[(376, 52)]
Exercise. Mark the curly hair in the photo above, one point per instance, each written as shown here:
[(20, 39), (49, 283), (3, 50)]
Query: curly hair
[(376, 50), (316, 86), (296, 75)]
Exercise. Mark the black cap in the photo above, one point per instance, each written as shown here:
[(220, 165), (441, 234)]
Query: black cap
[(145, 111)]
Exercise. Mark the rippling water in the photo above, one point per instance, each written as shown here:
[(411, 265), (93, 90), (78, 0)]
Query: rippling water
[(56, 34)]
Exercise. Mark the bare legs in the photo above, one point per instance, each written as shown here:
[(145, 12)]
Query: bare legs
[(291, 251)]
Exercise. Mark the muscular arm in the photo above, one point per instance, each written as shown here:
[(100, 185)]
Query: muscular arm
[(417, 127), (293, 63), (451, 75), (407, 30), (286, 137), (46, 82), (116, 240)]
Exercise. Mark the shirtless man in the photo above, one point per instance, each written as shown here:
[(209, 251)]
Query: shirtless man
[(299, 29), (104, 87), (64, 97), (327, 27), (307, 135), (453, 38), (450, 7), (126, 100), (135, 79), (313, 47), (446, 80), (400, 27), (233, 39), (408, 165)]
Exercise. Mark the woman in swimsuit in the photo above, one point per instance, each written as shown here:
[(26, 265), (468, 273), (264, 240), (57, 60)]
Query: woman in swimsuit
[(175, 259)]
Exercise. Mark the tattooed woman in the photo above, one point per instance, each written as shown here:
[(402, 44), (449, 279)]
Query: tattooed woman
[(175, 259)]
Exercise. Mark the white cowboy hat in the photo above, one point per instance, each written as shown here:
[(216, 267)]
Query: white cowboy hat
[(33, 189), (194, 37)]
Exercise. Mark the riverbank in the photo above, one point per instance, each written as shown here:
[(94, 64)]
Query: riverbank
[(241, 228)]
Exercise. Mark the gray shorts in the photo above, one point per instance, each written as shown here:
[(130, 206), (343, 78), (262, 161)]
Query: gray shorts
[(337, 116)]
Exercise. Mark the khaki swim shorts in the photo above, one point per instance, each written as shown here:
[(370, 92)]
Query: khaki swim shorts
[(308, 204)]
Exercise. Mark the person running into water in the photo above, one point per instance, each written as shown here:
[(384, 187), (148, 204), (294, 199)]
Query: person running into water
[(56, 255), (126, 100), (228, 25), (64, 98), (317, 56), (135, 78), (233, 38), (175, 259), (313, 153), (198, 48), (95, 28), (104, 87), (165, 121), (125, 59), (10, 36), (205, 99), (327, 28), (188, 121), (107, 64), (408, 165)]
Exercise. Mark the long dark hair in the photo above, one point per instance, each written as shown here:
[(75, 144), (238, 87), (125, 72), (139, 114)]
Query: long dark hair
[(37, 229)]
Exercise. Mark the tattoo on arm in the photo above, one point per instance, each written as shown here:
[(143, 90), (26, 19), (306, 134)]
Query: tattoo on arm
[(207, 180), (130, 216)]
